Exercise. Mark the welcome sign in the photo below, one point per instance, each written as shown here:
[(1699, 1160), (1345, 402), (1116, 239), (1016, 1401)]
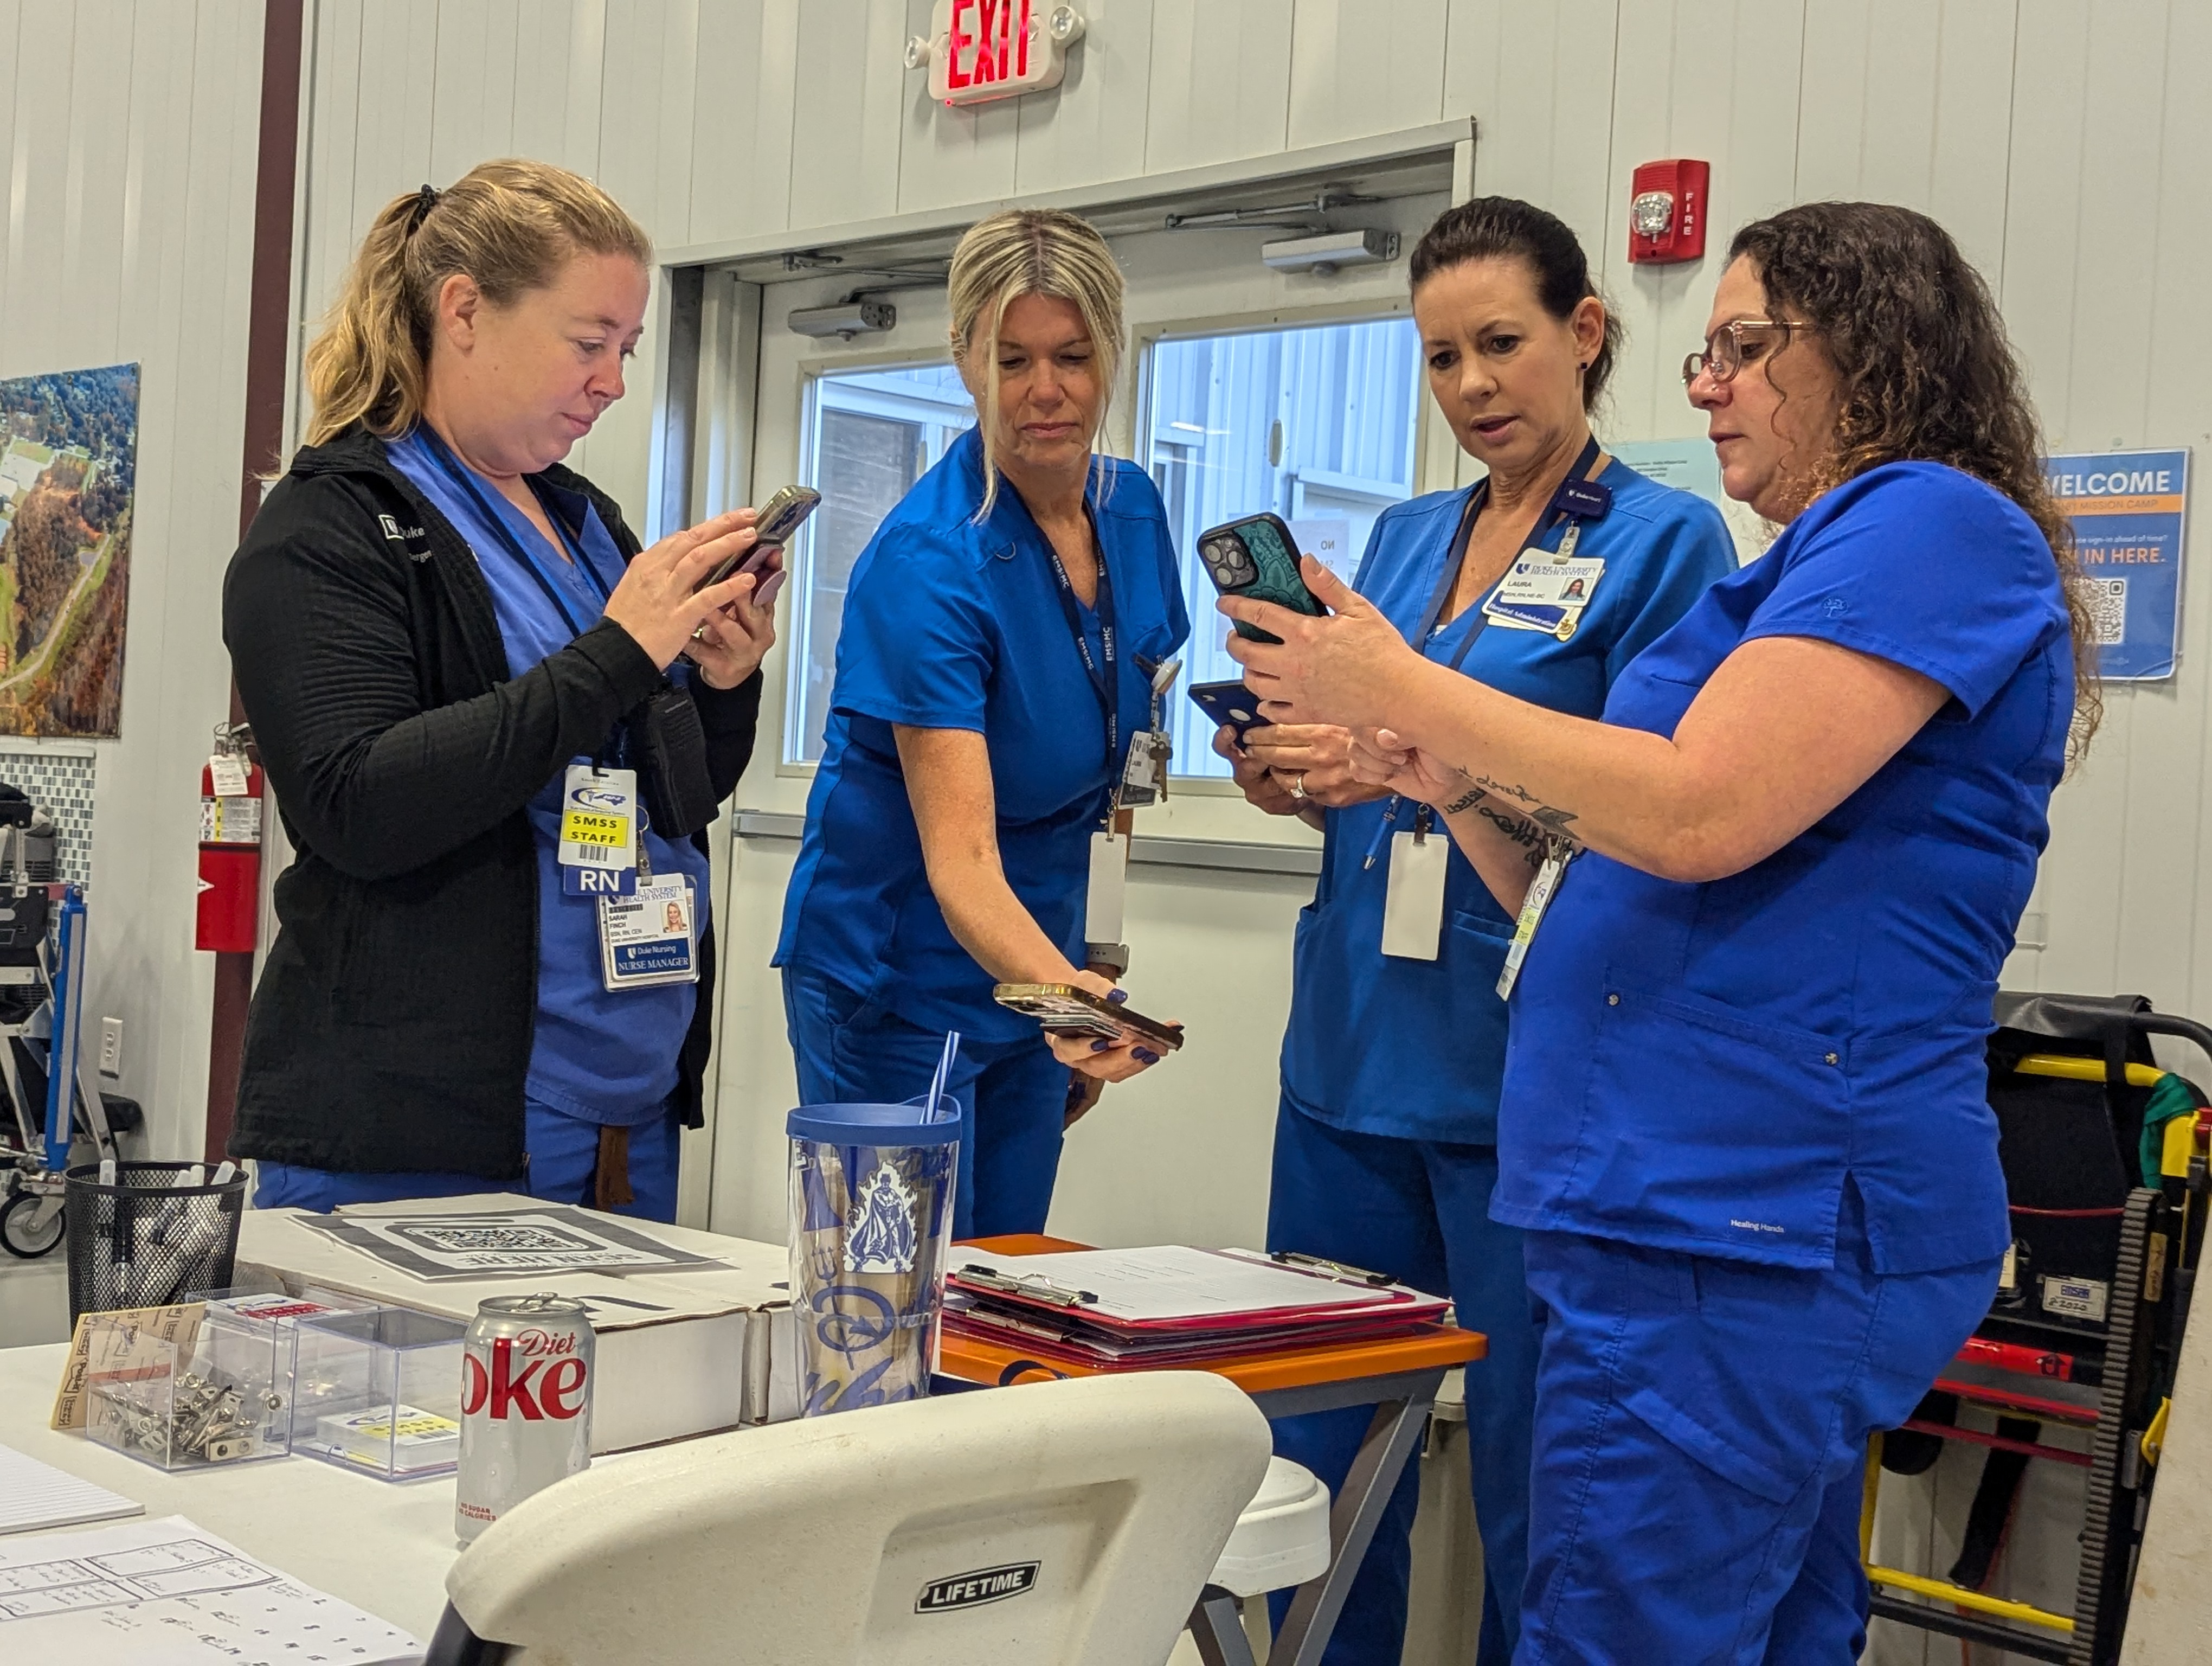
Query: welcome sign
[(2129, 511)]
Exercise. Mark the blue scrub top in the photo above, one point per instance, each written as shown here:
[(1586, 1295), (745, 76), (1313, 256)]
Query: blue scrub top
[(1698, 1068), (952, 625), (600, 1055), (1415, 1048)]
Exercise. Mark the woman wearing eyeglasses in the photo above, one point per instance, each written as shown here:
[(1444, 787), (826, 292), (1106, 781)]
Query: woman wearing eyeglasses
[(1743, 1125)]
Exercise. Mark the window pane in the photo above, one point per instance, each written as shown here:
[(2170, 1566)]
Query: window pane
[(872, 435), (1314, 425)]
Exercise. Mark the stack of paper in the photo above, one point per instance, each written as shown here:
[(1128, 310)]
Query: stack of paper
[(1124, 1309), (37, 1495)]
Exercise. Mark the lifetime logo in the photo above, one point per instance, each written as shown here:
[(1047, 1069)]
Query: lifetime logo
[(972, 1590), (558, 1395)]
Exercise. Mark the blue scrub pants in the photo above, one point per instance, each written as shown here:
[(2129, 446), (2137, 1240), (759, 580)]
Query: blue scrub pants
[(1013, 1095), (564, 1155), (1418, 1210), (1701, 1442)]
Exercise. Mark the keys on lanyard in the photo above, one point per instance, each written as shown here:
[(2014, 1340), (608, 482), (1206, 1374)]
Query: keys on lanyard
[(1558, 852)]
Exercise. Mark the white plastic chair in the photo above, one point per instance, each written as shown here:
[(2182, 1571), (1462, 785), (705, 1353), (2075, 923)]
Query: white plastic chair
[(1065, 1524), (1280, 1539)]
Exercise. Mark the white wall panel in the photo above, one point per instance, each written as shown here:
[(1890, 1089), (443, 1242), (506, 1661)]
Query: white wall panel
[(130, 128), (1702, 79), (948, 156), (331, 123), (742, 119), (1220, 84), (1907, 102), (1539, 81), (851, 59), (1352, 57), (1091, 126)]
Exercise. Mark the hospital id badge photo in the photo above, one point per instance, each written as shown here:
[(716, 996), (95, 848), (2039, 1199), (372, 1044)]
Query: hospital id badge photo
[(599, 831), (649, 937)]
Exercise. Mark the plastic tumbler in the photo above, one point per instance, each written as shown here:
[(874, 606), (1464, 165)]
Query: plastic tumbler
[(871, 1226)]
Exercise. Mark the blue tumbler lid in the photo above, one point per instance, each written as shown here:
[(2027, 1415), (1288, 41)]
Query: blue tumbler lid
[(910, 1124)]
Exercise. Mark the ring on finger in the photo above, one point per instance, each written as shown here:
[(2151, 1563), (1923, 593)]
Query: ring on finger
[(699, 635), (1298, 785)]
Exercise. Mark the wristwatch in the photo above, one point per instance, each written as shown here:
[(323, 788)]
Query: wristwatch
[(1113, 955)]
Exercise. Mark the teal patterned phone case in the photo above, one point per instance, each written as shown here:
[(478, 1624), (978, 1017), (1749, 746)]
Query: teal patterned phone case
[(1255, 556)]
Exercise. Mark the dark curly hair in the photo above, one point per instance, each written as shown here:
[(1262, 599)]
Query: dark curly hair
[(1925, 370), (1507, 228)]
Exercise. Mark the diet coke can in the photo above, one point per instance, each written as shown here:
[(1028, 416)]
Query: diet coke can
[(525, 1404)]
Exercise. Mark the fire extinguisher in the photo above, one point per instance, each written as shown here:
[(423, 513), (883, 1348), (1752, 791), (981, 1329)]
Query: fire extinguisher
[(230, 844)]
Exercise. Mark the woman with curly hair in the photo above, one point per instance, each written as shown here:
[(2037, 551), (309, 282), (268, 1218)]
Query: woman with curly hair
[(1743, 1125)]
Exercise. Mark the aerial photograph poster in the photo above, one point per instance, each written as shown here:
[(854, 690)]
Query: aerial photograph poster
[(69, 445)]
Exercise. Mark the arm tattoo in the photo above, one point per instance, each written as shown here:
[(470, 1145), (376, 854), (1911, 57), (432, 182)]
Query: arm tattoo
[(1534, 844), (1543, 814), (1465, 800)]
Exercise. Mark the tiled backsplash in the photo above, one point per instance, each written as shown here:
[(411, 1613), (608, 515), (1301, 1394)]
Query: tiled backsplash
[(62, 783)]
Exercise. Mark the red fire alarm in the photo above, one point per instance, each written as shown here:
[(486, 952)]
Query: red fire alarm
[(1667, 211)]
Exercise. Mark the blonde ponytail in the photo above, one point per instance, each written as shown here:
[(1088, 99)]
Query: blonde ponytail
[(509, 225), (1029, 251)]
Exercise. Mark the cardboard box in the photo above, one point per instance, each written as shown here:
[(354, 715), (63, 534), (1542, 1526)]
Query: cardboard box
[(680, 1352)]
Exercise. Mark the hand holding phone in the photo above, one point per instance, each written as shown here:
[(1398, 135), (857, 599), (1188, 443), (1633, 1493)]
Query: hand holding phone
[(1257, 557), (1231, 705), (779, 519), (1068, 1009)]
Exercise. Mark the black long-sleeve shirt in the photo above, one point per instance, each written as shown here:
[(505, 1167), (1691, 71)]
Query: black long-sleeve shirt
[(392, 1024)]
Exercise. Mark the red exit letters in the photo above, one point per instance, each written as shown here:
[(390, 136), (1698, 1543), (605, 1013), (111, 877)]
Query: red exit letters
[(998, 47)]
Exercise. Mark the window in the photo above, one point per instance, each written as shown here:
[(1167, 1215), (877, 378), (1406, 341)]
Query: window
[(870, 436), (1315, 423)]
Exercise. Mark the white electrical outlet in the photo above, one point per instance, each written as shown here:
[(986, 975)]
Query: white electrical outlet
[(111, 1046)]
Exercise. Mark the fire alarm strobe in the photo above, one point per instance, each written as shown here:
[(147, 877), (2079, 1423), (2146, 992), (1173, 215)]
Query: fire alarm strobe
[(1667, 211), (980, 49)]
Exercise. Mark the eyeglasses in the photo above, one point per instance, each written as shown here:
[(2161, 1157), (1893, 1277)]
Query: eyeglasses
[(1735, 345)]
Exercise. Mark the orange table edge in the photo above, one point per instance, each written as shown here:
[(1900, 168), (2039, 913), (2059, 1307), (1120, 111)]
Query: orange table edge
[(1433, 1347)]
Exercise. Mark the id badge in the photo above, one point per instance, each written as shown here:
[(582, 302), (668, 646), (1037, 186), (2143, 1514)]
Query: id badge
[(649, 937), (1539, 898), (1145, 775), (1413, 896), (1105, 900), (599, 831)]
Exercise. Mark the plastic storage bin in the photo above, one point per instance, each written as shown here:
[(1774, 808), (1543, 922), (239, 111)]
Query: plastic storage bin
[(255, 1332), (379, 1391), (186, 1406)]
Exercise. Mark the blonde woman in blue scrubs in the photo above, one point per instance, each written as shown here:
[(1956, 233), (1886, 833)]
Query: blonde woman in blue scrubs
[(1386, 1143)]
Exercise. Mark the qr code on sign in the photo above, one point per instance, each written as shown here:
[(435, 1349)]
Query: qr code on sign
[(2108, 611)]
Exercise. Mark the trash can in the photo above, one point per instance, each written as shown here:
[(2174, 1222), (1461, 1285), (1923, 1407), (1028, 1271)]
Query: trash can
[(154, 1234), (872, 1191)]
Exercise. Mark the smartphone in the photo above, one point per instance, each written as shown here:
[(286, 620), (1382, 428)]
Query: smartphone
[(1231, 703), (779, 517), (1066, 1010), (1256, 556)]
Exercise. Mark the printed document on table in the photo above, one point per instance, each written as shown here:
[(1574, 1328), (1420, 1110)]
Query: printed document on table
[(1171, 1281), (169, 1593)]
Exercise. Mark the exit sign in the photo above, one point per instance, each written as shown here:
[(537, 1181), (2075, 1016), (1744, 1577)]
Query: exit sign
[(980, 49)]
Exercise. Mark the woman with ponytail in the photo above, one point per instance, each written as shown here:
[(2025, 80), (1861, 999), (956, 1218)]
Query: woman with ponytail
[(437, 630)]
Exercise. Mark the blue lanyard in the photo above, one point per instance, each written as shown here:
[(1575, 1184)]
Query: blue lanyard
[(1572, 501), (1104, 682), (559, 595)]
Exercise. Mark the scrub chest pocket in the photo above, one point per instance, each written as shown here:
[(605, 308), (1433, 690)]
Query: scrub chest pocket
[(1700, 1123)]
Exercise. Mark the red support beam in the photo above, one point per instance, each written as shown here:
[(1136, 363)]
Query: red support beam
[(269, 323)]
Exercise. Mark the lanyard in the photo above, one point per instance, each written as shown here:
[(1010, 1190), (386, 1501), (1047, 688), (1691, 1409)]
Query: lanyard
[(1569, 502), (1104, 682), (559, 595)]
